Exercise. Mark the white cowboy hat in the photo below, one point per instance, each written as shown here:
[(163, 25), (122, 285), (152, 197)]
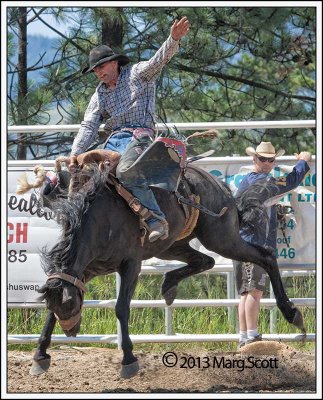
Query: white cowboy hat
[(264, 149)]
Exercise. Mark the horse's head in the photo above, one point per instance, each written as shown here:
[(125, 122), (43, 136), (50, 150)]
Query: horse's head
[(63, 295)]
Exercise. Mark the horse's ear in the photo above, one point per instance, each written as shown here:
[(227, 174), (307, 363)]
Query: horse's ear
[(42, 290), (66, 295), (64, 179)]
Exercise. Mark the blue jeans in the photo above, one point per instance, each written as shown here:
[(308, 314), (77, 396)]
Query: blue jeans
[(131, 149), (119, 141)]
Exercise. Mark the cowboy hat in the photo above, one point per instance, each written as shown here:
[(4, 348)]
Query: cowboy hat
[(264, 149), (102, 54)]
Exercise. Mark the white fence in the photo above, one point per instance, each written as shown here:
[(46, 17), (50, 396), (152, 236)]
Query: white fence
[(169, 335), (181, 126)]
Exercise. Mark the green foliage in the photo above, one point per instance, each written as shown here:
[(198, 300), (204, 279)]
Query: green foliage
[(236, 64), (192, 320), (35, 107), (10, 45)]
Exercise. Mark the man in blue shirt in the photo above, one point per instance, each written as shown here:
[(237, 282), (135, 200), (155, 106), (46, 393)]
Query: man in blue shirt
[(125, 100), (251, 278)]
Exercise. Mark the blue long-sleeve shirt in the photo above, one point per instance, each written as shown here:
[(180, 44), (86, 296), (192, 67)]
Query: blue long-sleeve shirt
[(284, 184)]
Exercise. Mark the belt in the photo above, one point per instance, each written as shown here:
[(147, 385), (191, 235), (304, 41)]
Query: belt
[(130, 129)]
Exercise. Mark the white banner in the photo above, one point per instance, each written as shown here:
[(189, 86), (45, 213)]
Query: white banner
[(29, 229)]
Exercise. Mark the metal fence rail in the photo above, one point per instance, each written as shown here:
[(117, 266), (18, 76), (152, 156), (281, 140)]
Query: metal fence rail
[(170, 336), (179, 303), (175, 338), (181, 126)]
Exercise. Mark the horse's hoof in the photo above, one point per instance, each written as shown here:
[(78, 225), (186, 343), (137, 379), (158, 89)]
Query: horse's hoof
[(298, 321), (39, 367), (129, 370), (170, 295)]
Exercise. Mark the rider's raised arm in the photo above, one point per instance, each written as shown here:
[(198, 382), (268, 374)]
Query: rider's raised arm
[(150, 69), (294, 178)]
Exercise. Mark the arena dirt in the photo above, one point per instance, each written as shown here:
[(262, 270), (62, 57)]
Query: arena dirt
[(96, 370)]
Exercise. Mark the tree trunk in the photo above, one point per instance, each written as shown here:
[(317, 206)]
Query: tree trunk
[(112, 31), (22, 80)]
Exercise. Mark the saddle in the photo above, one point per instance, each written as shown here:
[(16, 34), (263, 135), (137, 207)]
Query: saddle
[(161, 165)]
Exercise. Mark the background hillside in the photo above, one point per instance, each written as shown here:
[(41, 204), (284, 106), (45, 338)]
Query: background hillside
[(40, 52)]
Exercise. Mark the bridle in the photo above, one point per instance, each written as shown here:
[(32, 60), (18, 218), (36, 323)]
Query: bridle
[(68, 324)]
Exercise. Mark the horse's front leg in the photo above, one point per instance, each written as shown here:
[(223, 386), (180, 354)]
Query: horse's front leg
[(41, 360), (129, 271)]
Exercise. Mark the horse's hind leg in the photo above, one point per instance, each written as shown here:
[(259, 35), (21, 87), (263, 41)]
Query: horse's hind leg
[(196, 262), (290, 312), (129, 271), (230, 245), (41, 360)]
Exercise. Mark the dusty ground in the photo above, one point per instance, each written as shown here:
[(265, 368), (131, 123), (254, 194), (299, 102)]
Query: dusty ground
[(96, 370)]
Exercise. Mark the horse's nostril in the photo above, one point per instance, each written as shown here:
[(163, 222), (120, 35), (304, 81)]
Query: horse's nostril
[(71, 333), (74, 330)]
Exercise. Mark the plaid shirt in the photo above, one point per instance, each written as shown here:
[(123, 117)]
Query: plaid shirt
[(132, 102)]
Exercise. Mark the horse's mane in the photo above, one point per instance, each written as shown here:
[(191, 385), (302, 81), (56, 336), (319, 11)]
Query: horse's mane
[(69, 212), (252, 207)]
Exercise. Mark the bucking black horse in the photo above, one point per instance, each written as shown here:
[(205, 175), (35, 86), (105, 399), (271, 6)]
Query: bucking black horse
[(102, 235)]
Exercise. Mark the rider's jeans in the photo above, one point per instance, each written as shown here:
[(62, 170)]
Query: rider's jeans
[(119, 141), (131, 148)]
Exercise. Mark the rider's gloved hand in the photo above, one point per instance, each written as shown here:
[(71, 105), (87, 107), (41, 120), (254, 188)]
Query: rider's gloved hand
[(73, 164)]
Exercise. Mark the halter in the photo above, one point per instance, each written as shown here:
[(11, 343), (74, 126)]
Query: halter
[(71, 279), (68, 324)]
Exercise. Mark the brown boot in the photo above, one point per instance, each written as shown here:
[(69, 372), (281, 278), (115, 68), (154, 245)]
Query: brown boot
[(158, 230)]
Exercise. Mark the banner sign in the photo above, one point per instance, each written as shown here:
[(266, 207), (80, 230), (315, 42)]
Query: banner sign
[(29, 228)]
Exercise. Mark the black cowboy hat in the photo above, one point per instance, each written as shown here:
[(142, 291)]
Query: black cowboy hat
[(102, 54)]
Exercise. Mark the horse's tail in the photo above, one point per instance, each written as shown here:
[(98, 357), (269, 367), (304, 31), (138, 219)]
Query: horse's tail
[(23, 184), (252, 205)]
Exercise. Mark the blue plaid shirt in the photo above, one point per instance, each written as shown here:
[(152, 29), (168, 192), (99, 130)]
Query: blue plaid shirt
[(132, 102)]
